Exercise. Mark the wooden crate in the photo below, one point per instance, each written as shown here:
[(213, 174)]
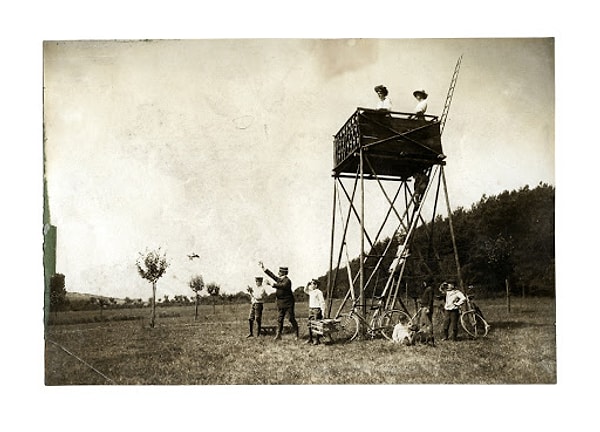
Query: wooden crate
[(323, 327)]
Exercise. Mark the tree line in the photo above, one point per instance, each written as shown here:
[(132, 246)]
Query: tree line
[(506, 239)]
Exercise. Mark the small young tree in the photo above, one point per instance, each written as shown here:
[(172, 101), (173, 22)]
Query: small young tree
[(101, 302), (151, 266), (197, 285), (58, 292), (213, 290)]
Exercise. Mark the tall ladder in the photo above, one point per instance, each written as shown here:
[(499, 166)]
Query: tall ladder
[(450, 94)]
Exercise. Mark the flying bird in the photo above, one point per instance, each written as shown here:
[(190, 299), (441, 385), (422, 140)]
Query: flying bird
[(193, 255)]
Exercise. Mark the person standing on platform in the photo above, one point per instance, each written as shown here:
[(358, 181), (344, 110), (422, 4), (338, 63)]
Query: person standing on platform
[(316, 307), (385, 102), (257, 298), (421, 108), (285, 299)]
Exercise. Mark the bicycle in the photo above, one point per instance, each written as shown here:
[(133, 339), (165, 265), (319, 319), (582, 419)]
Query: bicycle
[(471, 319), (382, 322)]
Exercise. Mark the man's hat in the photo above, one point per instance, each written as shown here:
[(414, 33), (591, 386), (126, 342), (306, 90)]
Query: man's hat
[(283, 270), (421, 92), (258, 278)]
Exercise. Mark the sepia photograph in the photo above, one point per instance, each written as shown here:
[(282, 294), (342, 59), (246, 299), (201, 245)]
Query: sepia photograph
[(259, 215), (301, 211)]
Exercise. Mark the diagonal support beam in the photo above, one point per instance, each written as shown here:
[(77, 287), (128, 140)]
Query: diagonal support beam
[(355, 212), (400, 218)]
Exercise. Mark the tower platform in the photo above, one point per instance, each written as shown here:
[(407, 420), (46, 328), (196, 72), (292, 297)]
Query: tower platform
[(396, 144)]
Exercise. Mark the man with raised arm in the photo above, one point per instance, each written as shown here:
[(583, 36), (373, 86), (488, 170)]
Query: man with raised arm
[(454, 299), (285, 299)]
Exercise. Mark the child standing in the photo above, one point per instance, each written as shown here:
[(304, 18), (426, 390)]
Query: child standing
[(257, 298), (316, 307)]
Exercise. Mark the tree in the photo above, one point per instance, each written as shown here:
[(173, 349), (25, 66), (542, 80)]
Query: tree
[(197, 285), (498, 252), (58, 292), (151, 266), (101, 302), (300, 295), (213, 290)]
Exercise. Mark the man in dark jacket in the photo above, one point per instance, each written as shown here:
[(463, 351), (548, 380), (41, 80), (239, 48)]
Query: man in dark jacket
[(426, 298), (285, 299)]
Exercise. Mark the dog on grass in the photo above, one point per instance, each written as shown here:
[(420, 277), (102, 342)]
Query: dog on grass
[(424, 331)]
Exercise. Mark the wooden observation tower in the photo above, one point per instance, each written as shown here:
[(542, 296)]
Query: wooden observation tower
[(401, 156)]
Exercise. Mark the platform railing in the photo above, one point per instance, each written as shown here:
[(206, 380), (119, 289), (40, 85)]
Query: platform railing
[(348, 138)]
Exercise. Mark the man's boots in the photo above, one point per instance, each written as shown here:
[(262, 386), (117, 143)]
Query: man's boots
[(251, 323), (258, 327)]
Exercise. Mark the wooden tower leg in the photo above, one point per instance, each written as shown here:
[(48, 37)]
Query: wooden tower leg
[(361, 282), (458, 270), (329, 286)]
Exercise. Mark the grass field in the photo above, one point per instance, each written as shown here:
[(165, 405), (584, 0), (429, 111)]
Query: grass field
[(123, 350)]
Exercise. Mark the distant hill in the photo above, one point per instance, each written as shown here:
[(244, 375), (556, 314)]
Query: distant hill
[(75, 297)]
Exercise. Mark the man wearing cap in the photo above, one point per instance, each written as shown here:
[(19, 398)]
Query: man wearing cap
[(257, 298), (454, 299), (421, 108), (285, 299)]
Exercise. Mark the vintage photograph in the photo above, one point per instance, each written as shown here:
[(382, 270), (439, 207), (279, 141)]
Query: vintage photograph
[(299, 211)]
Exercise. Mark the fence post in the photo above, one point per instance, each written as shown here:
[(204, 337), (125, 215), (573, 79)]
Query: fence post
[(507, 295)]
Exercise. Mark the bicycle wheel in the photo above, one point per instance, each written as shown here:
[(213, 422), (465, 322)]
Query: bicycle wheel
[(389, 320), (474, 324), (347, 328)]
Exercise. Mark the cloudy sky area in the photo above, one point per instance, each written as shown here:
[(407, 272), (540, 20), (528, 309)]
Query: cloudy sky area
[(224, 147)]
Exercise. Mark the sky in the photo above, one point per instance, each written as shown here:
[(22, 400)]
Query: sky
[(223, 147)]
